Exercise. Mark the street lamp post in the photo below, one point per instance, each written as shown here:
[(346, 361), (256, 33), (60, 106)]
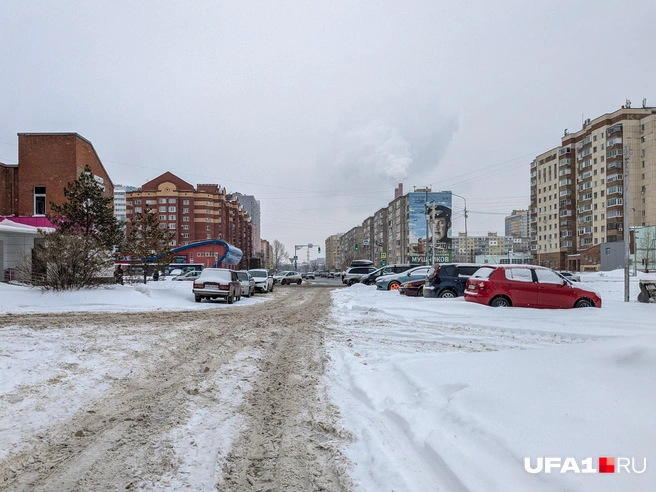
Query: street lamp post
[(466, 240)]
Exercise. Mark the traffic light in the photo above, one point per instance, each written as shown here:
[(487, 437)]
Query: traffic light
[(383, 263), (319, 249), (356, 247)]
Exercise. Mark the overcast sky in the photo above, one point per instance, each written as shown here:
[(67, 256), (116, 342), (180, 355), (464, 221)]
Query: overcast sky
[(320, 109)]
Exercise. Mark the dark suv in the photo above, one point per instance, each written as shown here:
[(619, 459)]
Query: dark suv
[(448, 279), (354, 274), (386, 270)]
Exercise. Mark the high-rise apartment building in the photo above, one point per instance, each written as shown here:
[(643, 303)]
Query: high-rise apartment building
[(517, 223), (332, 252), (578, 189), (252, 207)]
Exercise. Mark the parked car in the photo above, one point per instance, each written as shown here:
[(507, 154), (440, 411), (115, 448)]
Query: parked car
[(217, 282), (263, 281), (353, 275), (412, 288), (574, 277), (394, 280), (371, 278), (357, 263), (190, 275), (247, 283), (287, 277), (526, 286), (448, 280), (310, 275)]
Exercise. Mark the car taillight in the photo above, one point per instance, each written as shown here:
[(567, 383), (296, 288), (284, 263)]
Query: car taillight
[(224, 286), (480, 284), (199, 285)]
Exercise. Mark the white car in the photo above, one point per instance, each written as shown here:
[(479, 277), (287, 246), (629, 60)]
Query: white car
[(247, 283), (287, 277), (263, 281), (190, 275)]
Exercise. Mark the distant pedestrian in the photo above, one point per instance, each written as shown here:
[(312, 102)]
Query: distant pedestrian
[(155, 275), (118, 275)]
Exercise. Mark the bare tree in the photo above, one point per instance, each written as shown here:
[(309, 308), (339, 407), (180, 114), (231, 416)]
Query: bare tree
[(279, 254), (648, 246)]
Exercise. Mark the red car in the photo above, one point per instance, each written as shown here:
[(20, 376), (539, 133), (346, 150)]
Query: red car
[(413, 288), (526, 286)]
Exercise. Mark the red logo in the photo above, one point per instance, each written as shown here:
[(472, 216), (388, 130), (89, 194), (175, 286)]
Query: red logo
[(606, 465)]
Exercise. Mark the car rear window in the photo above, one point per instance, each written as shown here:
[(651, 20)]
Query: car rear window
[(467, 271), (449, 270), (242, 275), (216, 274), (259, 273), (483, 272)]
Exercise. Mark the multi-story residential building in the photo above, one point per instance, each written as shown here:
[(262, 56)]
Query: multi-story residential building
[(368, 246), (350, 247), (266, 253), (468, 248), (119, 201), (380, 232), (252, 207), (587, 178), (517, 223), (47, 162), (332, 252), (193, 214)]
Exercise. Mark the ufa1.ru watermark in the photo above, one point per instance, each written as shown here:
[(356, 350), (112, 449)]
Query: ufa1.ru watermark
[(605, 465)]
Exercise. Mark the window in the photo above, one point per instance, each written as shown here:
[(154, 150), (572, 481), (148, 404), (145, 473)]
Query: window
[(137, 210), (548, 277), (185, 219), (519, 274), (162, 200), (171, 200), (185, 227), (185, 210), (162, 209), (138, 202), (171, 209), (208, 236), (162, 225), (207, 219), (185, 235), (171, 217), (171, 226), (209, 228), (208, 211), (162, 218), (39, 200), (185, 202)]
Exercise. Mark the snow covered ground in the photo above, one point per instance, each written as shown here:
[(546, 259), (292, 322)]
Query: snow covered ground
[(442, 394), (439, 394)]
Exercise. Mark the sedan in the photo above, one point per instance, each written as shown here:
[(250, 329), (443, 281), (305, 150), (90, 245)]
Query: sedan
[(574, 277), (287, 277), (217, 282), (247, 283), (190, 275), (412, 288), (394, 281), (526, 286)]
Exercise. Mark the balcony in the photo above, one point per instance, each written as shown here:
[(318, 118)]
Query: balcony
[(564, 162), (566, 193), (614, 165), (613, 129)]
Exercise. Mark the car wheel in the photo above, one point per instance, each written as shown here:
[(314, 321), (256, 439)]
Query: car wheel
[(500, 301), (299, 281), (420, 292), (230, 299), (393, 286), (197, 298), (447, 294), (581, 303), (283, 282)]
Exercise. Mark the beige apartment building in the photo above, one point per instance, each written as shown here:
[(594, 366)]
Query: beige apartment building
[(577, 189), (332, 252)]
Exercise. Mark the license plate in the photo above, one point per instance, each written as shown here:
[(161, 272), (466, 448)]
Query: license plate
[(471, 287)]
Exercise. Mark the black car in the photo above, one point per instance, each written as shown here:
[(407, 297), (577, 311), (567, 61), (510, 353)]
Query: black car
[(448, 279), (386, 270)]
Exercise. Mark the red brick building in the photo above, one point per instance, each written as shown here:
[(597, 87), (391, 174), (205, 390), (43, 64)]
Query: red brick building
[(47, 162), (193, 214)]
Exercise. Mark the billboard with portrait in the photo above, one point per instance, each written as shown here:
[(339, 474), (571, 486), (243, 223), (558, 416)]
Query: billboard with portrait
[(430, 211)]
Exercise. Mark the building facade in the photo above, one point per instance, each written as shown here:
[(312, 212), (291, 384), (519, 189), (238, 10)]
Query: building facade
[(193, 214), (517, 223), (331, 246), (47, 162), (577, 189)]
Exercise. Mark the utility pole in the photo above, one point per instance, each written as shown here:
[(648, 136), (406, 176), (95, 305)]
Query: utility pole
[(627, 222)]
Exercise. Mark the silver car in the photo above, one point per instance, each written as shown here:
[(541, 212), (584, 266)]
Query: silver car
[(247, 283), (288, 277)]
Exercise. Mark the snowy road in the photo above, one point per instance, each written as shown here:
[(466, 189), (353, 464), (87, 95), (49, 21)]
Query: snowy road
[(226, 398)]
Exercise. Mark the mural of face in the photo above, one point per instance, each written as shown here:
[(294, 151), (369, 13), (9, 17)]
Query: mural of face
[(441, 228)]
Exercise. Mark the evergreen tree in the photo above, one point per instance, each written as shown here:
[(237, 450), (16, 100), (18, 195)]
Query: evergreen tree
[(148, 241), (88, 212)]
